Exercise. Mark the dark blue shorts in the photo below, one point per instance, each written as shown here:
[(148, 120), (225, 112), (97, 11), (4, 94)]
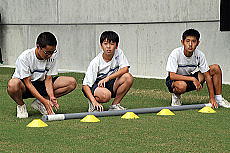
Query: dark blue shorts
[(108, 85), (190, 85), (40, 86)]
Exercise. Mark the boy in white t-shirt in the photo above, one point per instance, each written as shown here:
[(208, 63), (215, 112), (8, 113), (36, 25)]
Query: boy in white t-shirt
[(107, 75), (181, 65), (33, 78)]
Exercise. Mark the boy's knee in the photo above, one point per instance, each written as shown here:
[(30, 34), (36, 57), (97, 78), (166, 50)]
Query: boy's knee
[(179, 87), (13, 85), (72, 83), (104, 97), (215, 68), (179, 90), (128, 78)]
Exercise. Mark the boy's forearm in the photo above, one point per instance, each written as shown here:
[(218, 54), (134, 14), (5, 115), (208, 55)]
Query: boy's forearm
[(33, 90), (178, 77), (88, 93), (119, 73), (209, 84), (49, 86)]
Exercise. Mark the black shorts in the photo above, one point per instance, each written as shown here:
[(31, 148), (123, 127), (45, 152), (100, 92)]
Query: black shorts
[(39, 85), (108, 85), (190, 85)]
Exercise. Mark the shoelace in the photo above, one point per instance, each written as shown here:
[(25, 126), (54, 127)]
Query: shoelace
[(117, 106), (91, 108), (178, 102), (41, 107), (225, 102), (121, 107), (22, 109)]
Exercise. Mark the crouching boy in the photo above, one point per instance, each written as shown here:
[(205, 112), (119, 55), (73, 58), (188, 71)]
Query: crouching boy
[(34, 78), (180, 66), (107, 75)]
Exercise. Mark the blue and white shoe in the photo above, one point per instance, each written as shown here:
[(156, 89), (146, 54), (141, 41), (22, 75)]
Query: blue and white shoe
[(37, 105)]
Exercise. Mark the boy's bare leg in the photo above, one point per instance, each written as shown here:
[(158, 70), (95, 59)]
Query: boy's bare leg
[(122, 86), (64, 85), (179, 87), (102, 95), (15, 90), (216, 74)]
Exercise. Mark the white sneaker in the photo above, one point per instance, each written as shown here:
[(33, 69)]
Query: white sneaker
[(116, 107), (37, 105), (91, 107), (21, 111), (224, 103), (176, 100)]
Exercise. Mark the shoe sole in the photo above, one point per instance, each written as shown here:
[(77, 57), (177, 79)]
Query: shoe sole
[(175, 105), (224, 106), (22, 116)]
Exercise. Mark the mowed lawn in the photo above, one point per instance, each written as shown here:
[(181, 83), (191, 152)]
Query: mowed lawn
[(187, 131)]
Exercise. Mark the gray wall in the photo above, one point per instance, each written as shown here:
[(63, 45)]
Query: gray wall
[(149, 30)]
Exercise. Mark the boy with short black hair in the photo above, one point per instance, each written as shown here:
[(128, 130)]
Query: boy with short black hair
[(181, 65), (107, 75), (33, 78)]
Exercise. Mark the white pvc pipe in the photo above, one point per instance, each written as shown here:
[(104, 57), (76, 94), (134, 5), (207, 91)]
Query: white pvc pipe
[(58, 117)]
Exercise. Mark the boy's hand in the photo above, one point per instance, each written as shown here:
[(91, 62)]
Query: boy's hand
[(102, 82), (98, 106), (197, 84), (54, 102), (214, 103), (48, 105)]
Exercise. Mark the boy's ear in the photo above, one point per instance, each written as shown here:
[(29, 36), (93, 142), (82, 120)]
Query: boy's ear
[(116, 45), (100, 46), (182, 42)]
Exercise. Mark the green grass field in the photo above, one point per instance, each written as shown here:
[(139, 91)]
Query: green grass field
[(187, 131)]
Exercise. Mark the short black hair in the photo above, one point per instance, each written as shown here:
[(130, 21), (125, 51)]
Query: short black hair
[(191, 32), (46, 38), (110, 36)]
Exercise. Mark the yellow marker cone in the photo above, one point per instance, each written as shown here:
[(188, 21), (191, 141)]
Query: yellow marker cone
[(37, 123), (207, 109), (130, 115), (90, 118), (165, 112)]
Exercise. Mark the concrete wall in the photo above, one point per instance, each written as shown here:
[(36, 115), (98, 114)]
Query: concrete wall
[(149, 30)]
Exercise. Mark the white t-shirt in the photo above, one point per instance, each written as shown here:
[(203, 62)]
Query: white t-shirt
[(180, 64), (99, 68), (27, 64)]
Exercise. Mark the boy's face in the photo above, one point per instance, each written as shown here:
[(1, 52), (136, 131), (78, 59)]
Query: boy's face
[(190, 43), (47, 51), (108, 47)]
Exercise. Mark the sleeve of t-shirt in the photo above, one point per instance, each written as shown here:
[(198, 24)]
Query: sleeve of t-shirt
[(91, 74), (22, 68), (203, 64), (123, 62), (53, 69), (172, 64)]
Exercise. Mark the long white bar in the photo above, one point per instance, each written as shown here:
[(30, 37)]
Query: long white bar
[(58, 117)]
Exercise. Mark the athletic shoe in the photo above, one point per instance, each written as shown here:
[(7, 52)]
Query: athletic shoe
[(176, 100), (21, 111), (116, 107), (224, 103), (37, 105), (91, 107)]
